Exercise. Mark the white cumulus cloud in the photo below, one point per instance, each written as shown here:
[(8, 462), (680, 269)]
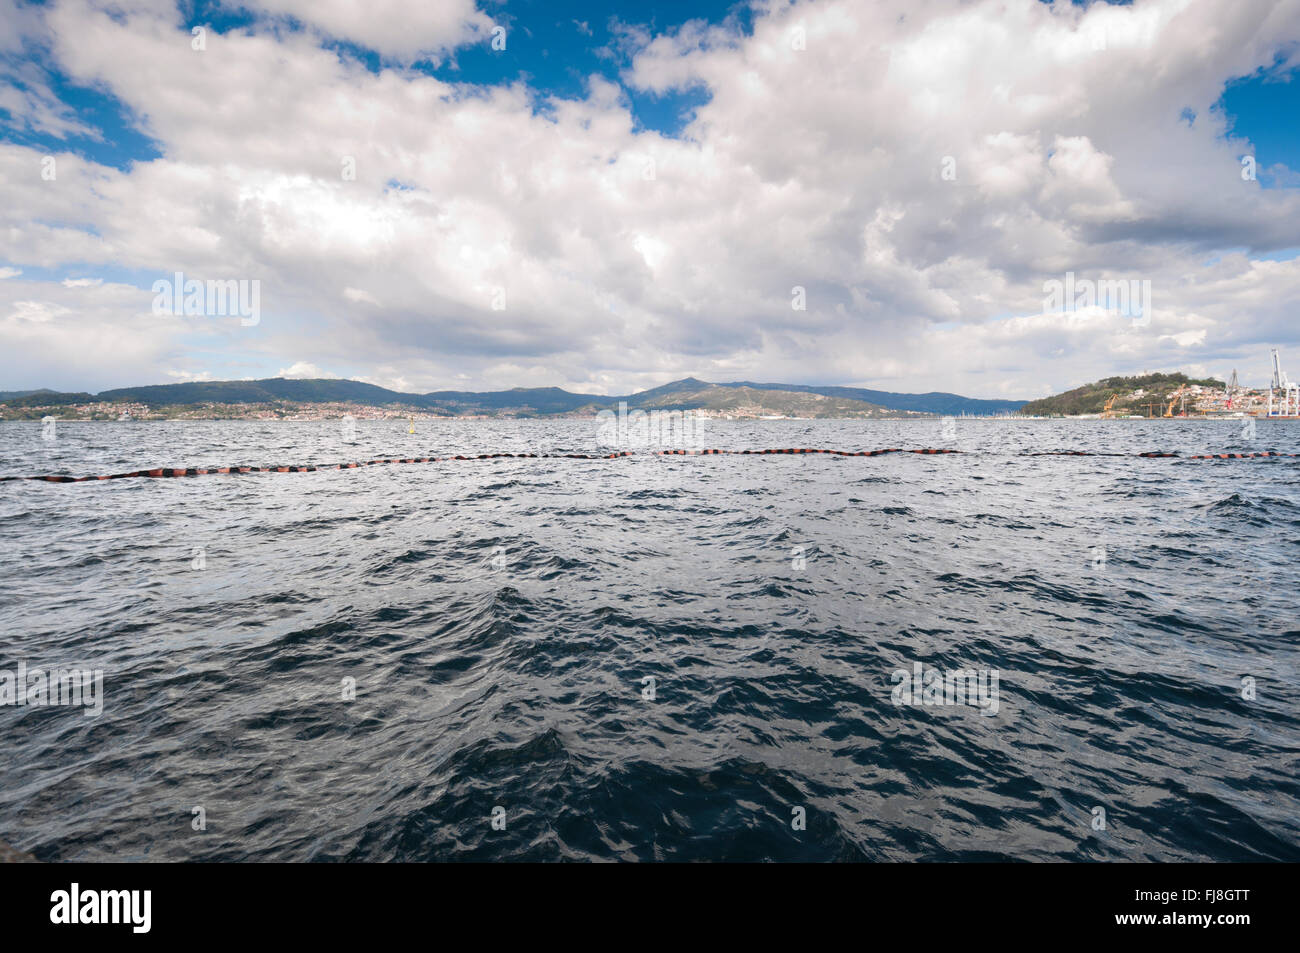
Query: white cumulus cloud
[(918, 170)]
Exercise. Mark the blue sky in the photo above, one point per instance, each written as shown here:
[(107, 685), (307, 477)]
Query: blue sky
[(778, 164), (552, 46), (1264, 108)]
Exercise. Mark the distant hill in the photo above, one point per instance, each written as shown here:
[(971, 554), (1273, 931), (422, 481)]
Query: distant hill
[(1091, 398), (931, 403), (519, 400), (47, 398), (752, 400), (254, 392), (789, 399), (538, 400), (11, 394)]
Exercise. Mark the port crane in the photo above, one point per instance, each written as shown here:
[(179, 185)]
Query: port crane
[(1106, 411), (1288, 392), (1169, 411)]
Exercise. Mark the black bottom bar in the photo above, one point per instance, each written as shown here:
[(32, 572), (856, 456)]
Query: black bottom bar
[(1224, 904)]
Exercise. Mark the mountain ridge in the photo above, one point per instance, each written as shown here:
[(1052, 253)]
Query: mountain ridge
[(529, 401)]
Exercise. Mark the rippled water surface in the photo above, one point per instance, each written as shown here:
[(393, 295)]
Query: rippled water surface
[(501, 619)]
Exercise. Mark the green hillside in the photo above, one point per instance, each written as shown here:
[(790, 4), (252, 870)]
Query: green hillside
[(49, 398), (750, 400), (224, 398), (1135, 393)]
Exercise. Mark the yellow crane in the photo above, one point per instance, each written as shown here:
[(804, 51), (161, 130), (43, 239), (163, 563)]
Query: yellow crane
[(1169, 411), (1109, 404)]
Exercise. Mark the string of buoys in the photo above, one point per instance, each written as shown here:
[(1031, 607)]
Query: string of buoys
[(162, 472)]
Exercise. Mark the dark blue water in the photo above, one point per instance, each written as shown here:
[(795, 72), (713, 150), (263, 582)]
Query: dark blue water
[(499, 619)]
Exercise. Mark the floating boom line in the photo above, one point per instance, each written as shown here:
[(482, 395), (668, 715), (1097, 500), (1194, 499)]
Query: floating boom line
[(163, 472)]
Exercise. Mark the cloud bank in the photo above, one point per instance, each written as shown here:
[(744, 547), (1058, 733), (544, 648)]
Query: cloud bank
[(910, 173)]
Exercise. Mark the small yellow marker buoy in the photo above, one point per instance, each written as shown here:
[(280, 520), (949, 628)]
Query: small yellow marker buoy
[(412, 430)]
